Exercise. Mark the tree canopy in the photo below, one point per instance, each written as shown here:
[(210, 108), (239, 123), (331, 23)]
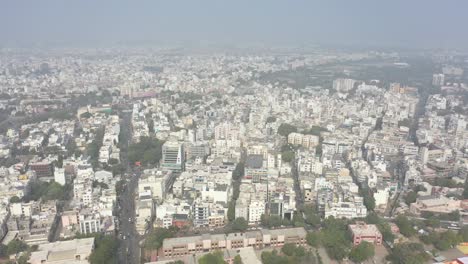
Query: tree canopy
[(362, 252), (46, 191), (155, 239), (105, 251), (16, 246), (408, 252), (212, 258), (336, 238), (239, 224), (405, 226), (286, 129), (148, 151)]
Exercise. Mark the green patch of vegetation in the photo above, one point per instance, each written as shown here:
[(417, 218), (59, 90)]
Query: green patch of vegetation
[(405, 226), (46, 191), (216, 257), (239, 224), (336, 238), (155, 239), (105, 251), (237, 175), (271, 119), (362, 252), (272, 221), (409, 252), (290, 253), (315, 130), (148, 151), (286, 129), (93, 148)]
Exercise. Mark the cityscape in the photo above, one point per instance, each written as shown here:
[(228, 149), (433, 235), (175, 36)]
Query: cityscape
[(241, 154)]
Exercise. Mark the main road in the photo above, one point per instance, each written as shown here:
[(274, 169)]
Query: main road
[(129, 250)]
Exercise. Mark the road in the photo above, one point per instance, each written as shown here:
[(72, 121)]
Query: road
[(129, 250)]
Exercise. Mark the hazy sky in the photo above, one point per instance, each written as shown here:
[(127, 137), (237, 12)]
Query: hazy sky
[(413, 23)]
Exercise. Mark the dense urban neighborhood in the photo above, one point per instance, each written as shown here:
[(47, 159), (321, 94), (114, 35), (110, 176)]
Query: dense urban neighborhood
[(279, 156)]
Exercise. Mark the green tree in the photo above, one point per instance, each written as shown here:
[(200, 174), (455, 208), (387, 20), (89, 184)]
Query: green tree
[(463, 233), (155, 239), (86, 115), (119, 187), (60, 161), (147, 151), (239, 224), (286, 129), (273, 258), (271, 119), (411, 197), (212, 258), (447, 240), (238, 259), (289, 249), (405, 226), (311, 216), (16, 246), (15, 199), (335, 238), (3, 250), (55, 191), (369, 200), (271, 221), (105, 251), (313, 239), (404, 253), (231, 213), (465, 190), (430, 238), (362, 252), (287, 156), (386, 231), (315, 130)]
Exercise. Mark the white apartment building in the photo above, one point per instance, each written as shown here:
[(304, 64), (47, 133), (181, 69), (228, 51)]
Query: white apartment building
[(173, 156), (256, 209), (59, 176), (348, 210)]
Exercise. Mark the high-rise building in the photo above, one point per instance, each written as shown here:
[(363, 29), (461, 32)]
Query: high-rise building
[(343, 85), (173, 156), (438, 79)]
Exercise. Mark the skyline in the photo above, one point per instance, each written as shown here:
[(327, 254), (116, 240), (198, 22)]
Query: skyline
[(417, 24)]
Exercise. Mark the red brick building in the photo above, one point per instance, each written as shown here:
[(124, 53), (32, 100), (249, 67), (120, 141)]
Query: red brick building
[(364, 232)]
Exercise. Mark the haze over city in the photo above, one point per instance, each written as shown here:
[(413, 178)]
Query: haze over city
[(408, 24), (233, 132)]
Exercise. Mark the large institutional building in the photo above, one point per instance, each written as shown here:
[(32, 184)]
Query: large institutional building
[(182, 246)]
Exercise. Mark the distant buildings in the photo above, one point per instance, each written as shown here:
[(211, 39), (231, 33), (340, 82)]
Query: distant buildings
[(438, 79)]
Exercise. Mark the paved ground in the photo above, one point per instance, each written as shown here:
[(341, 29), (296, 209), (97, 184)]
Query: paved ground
[(129, 250), (452, 253)]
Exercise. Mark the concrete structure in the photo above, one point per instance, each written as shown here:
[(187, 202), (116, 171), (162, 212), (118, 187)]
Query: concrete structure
[(173, 156), (75, 251), (364, 232), (182, 246)]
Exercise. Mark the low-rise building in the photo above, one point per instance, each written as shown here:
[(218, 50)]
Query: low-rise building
[(364, 232), (182, 246)]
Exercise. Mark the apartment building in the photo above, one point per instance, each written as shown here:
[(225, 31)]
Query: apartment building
[(173, 156)]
